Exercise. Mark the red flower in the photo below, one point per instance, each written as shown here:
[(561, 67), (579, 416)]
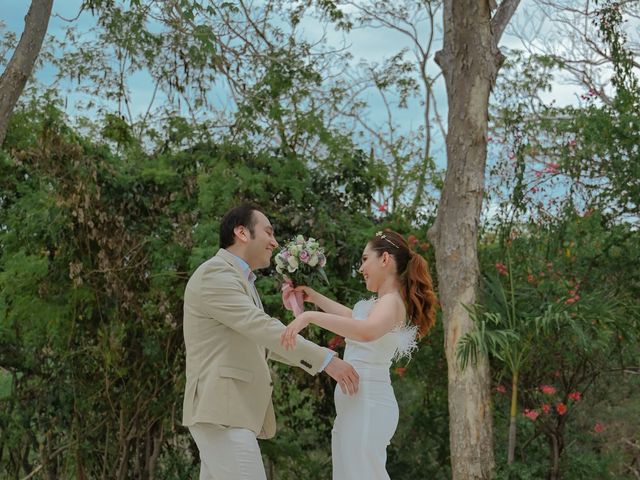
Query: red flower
[(382, 207), (561, 408), (547, 389), (599, 427), (575, 396), (335, 342), (546, 408), (412, 240), (400, 371), (531, 278), (502, 269), (501, 389), (531, 414), (551, 167)]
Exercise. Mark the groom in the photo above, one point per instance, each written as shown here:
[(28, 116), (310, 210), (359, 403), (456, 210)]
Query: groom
[(228, 338)]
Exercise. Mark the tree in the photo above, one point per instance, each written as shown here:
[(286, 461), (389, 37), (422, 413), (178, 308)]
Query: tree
[(400, 82), (470, 61), (15, 76)]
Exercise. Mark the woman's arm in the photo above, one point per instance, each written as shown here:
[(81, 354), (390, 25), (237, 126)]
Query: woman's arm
[(324, 303), (384, 316)]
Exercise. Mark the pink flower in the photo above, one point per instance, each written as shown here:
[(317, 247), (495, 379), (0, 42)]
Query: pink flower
[(551, 167), (304, 256), (575, 396), (599, 427), (501, 389), (561, 408), (531, 414), (546, 408), (547, 389), (412, 240), (531, 278), (502, 269)]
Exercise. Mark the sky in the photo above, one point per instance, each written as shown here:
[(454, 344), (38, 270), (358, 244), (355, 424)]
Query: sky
[(364, 44), (371, 45)]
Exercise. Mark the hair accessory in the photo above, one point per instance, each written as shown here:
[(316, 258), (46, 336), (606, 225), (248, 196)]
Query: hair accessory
[(383, 236)]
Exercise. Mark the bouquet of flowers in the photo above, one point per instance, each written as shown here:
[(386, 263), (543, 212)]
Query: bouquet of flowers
[(299, 262)]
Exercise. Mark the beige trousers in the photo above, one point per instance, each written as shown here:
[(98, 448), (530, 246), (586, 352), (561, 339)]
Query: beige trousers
[(227, 453)]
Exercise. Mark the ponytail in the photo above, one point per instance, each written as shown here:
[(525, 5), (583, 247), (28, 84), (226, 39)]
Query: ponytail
[(415, 281), (417, 292)]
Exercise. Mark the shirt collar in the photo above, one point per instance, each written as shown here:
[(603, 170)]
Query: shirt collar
[(245, 269)]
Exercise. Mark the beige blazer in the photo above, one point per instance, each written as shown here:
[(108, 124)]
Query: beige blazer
[(228, 339)]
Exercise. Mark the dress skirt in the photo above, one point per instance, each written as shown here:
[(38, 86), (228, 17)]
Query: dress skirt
[(363, 427)]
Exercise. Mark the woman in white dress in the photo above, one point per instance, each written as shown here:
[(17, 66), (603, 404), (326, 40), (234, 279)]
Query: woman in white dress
[(376, 331)]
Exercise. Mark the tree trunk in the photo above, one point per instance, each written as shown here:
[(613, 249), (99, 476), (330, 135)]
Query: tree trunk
[(15, 76), (469, 61)]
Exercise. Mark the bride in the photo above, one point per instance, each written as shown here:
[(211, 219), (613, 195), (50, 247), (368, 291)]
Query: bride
[(377, 331)]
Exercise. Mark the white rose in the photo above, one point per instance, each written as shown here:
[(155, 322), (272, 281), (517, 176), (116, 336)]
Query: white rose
[(313, 261), (293, 263)]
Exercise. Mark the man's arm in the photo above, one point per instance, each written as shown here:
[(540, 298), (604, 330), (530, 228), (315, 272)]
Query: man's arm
[(224, 298)]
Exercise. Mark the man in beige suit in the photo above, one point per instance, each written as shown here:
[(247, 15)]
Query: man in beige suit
[(228, 338)]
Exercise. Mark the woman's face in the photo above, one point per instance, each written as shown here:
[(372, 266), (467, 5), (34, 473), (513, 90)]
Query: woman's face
[(373, 268)]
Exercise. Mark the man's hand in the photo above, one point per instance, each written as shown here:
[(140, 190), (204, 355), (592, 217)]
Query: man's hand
[(343, 373)]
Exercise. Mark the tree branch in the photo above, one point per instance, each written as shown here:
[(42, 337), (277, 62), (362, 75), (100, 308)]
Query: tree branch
[(502, 17), (15, 76)]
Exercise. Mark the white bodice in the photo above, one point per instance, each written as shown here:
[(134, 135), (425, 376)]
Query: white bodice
[(397, 343)]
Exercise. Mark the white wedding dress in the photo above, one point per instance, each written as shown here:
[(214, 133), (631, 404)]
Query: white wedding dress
[(365, 422)]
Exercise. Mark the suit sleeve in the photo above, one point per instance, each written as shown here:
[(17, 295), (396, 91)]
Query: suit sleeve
[(225, 299)]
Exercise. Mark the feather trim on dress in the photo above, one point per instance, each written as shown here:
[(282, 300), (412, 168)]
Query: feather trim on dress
[(407, 342)]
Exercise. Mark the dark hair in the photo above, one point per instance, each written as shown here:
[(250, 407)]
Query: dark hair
[(241, 215), (416, 284)]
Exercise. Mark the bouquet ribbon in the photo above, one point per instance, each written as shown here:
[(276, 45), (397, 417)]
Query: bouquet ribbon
[(291, 299)]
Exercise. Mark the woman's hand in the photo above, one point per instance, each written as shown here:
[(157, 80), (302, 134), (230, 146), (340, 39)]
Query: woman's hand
[(308, 292), (288, 337)]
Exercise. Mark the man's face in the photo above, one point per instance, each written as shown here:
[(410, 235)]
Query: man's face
[(260, 245)]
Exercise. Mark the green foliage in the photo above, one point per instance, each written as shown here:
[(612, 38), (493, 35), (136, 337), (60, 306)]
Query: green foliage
[(95, 249)]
